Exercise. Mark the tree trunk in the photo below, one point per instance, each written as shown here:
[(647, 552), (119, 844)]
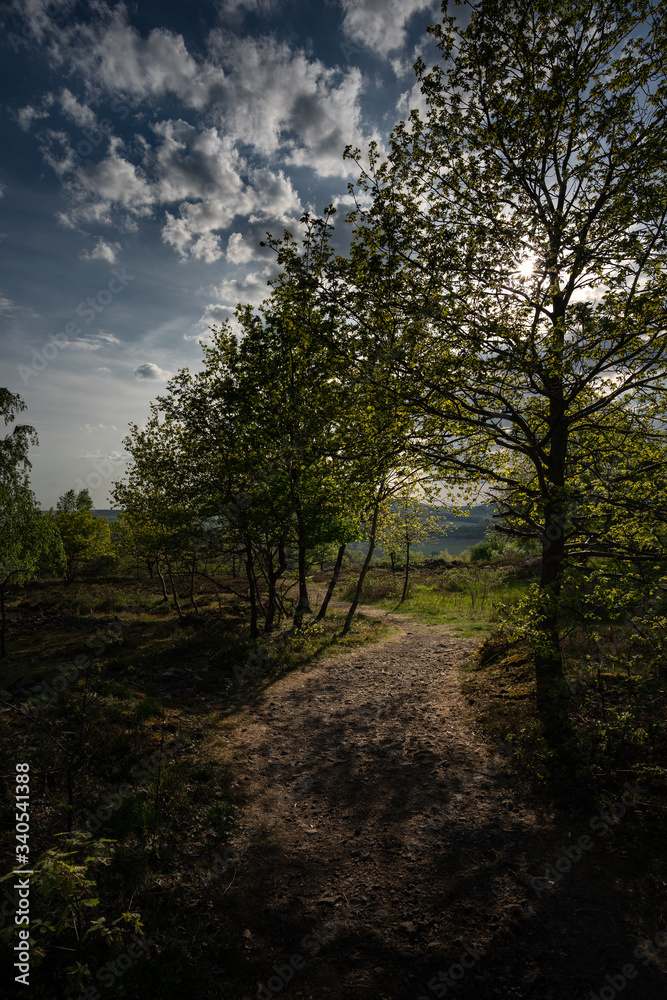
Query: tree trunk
[(364, 570), (407, 571), (272, 578), (3, 626), (548, 658), (254, 631), (303, 606), (193, 599), (332, 584), (173, 589), (165, 595)]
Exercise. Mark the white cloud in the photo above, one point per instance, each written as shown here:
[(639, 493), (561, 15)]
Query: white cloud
[(98, 189), (410, 99), (112, 55), (260, 90), (253, 288), (204, 165), (213, 315), (380, 25), (80, 114), (277, 99), (26, 116), (198, 169), (94, 341), (149, 371), (102, 251), (91, 428), (6, 305), (258, 94)]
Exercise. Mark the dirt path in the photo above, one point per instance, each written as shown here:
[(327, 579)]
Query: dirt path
[(379, 822)]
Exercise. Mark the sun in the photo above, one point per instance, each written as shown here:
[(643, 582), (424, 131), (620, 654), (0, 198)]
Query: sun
[(526, 268)]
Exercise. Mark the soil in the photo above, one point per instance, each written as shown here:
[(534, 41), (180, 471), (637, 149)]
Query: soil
[(384, 852)]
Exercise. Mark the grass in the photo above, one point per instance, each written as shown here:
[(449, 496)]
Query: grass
[(465, 596)]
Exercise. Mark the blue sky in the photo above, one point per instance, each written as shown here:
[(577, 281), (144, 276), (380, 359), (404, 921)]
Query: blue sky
[(147, 148)]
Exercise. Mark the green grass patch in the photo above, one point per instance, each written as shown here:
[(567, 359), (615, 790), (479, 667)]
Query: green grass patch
[(465, 597)]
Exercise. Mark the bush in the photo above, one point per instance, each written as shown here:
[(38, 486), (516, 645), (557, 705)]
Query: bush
[(495, 546)]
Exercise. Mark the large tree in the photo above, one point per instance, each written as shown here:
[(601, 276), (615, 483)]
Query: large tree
[(27, 538), (508, 263), (84, 536)]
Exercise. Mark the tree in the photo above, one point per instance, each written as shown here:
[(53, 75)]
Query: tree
[(14, 462), (156, 499), (510, 266), (70, 502), (267, 423), (406, 521), (26, 536), (84, 536)]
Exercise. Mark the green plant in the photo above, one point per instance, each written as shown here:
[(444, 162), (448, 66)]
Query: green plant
[(65, 879)]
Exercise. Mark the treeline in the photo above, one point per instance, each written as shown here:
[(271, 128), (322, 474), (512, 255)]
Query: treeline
[(268, 453)]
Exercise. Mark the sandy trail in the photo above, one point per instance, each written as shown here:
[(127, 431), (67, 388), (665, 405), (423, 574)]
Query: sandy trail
[(380, 821)]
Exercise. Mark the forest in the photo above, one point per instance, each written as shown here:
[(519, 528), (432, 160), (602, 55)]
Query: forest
[(265, 712)]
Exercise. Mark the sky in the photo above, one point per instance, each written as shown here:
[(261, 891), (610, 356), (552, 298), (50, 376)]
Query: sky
[(146, 149)]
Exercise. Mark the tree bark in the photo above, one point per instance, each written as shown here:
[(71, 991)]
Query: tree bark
[(173, 589), (364, 570), (548, 658), (3, 626), (193, 599), (303, 606), (407, 570), (272, 578), (165, 595), (254, 631), (332, 583)]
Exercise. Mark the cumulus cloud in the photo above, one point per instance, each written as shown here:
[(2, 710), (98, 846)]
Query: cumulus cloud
[(149, 371), (112, 56), (204, 165), (258, 100), (98, 190), (198, 171), (213, 315), (380, 25), (253, 288), (276, 98), (262, 91), (102, 250)]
